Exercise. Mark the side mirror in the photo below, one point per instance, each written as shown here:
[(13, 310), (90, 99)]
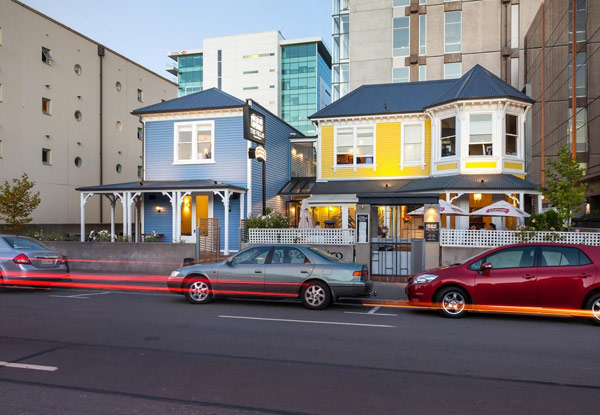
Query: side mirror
[(229, 261), (485, 267)]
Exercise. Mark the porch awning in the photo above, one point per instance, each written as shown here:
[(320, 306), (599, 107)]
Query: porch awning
[(299, 186), (465, 183), (162, 185), (331, 200), (398, 199)]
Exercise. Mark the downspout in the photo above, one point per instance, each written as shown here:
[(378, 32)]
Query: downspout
[(101, 55)]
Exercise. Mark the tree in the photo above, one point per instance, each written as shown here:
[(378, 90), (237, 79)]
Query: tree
[(17, 202), (566, 192)]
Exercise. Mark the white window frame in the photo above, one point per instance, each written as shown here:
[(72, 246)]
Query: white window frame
[(453, 63), (445, 24), (398, 80), (439, 156), (422, 73), (519, 154), (48, 55), (493, 134), (393, 33), (194, 125), (422, 34), (421, 162), (354, 165)]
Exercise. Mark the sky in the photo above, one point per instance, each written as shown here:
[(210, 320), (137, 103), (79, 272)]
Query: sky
[(145, 30)]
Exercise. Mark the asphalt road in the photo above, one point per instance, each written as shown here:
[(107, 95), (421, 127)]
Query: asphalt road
[(101, 352)]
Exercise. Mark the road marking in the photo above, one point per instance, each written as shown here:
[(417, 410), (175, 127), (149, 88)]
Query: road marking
[(337, 323), (371, 312), (83, 296), (31, 367)]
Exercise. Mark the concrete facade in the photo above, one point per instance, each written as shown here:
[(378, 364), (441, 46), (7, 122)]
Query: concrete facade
[(489, 38), (72, 128)]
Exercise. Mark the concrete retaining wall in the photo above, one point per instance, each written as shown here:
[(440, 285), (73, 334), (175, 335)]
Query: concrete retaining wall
[(147, 258), (452, 255)]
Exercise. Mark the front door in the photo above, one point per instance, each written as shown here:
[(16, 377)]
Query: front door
[(245, 274), (194, 208), (286, 271), (512, 281)]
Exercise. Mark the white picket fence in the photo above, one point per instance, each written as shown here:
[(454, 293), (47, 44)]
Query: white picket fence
[(488, 239), (310, 236)]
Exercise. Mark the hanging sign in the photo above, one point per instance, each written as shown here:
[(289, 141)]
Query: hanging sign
[(260, 154), (254, 126), (432, 232)]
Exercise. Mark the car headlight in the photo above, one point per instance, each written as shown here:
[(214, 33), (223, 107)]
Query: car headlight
[(175, 274), (424, 278)]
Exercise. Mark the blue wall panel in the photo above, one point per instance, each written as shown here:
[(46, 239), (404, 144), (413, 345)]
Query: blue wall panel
[(158, 222), (234, 221)]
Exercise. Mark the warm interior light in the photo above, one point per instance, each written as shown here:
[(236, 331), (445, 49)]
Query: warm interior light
[(159, 209), (477, 197)]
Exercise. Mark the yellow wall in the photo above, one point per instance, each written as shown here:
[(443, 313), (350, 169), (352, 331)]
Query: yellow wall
[(387, 155)]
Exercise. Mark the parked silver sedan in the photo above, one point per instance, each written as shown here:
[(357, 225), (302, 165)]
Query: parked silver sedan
[(28, 262), (274, 271)]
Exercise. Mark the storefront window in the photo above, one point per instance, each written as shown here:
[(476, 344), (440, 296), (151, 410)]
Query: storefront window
[(327, 216)]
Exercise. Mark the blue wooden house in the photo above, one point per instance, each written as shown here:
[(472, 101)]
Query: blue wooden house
[(197, 165)]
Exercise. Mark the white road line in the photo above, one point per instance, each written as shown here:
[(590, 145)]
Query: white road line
[(370, 314), (31, 367), (372, 311), (83, 296), (337, 323)]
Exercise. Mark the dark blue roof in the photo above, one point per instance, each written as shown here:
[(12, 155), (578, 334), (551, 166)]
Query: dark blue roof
[(409, 97), (207, 99)]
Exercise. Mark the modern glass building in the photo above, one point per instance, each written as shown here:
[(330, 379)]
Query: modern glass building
[(291, 78), (305, 83)]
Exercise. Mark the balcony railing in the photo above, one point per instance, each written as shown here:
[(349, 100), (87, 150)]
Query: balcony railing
[(311, 236), (490, 239)]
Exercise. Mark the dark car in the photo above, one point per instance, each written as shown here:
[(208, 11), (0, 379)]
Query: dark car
[(28, 262), (548, 275), (274, 271)]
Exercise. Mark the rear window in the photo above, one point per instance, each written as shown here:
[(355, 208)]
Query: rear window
[(24, 243), (324, 255), (562, 256)]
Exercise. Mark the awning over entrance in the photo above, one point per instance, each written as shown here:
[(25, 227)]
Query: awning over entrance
[(465, 183), (160, 185), (332, 200), (299, 186), (398, 199), (358, 186)]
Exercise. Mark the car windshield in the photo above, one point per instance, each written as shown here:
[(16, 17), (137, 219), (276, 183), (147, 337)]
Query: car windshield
[(24, 243), (324, 255), (467, 260)]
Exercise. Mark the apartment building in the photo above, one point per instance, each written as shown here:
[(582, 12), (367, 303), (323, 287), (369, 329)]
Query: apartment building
[(549, 71), (383, 41), (65, 112), (291, 78)]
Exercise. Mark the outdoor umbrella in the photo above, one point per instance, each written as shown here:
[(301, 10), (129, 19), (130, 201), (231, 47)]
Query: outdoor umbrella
[(305, 219), (445, 209), (501, 208)]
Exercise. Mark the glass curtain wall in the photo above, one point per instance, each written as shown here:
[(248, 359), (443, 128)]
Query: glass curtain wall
[(190, 74)]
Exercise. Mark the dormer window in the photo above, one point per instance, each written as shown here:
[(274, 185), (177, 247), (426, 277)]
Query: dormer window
[(194, 142), (480, 135)]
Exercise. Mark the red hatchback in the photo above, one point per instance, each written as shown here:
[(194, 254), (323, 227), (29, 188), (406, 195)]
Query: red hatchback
[(531, 275)]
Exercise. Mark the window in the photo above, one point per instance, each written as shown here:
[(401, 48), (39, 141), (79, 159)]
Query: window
[(118, 86), (452, 70), (220, 68), (0, 92), (252, 256), (452, 32), (77, 116), (46, 56), (194, 142), (562, 256), (251, 72), (46, 106), (140, 95), (401, 74), (448, 138), (514, 26), (355, 145), (77, 69), (46, 156), (402, 36), (580, 75), (422, 73), (521, 257), (422, 34), (412, 143), (119, 168), (401, 3), (140, 133), (422, 1), (582, 129), (511, 138), (581, 20), (78, 162), (284, 255), (248, 88), (140, 172), (480, 135)]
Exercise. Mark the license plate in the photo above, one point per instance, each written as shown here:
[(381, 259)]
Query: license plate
[(47, 262)]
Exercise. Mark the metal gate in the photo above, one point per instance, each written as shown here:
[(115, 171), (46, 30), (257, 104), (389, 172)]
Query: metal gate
[(208, 243)]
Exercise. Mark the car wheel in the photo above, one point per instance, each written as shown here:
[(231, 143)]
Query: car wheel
[(316, 295), (593, 305), (198, 291), (452, 302)]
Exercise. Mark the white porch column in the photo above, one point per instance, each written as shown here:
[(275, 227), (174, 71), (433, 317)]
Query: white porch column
[(448, 216), (344, 216), (241, 208), (113, 203), (539, 204), (124, 199), (172, 197), (462, 222), (83, 197), (131, 201), (521, 206), (226, 194)]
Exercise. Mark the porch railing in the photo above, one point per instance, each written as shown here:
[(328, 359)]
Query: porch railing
[(489, 239), (308, 236)]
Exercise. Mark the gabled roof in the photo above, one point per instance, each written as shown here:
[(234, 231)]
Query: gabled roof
[(411, 97), (212, 98), (479, 83)]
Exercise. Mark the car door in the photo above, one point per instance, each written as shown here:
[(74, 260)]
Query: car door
[(245, 273), (286, 270), (512, 279), (564, 274)]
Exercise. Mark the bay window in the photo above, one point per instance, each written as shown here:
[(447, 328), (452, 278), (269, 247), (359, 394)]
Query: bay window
[(480, 135), (355, 146), (511, 135), (448, 137), (194, 142), (412, 144)]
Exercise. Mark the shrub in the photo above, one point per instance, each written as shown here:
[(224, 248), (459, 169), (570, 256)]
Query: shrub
[(273, 220)]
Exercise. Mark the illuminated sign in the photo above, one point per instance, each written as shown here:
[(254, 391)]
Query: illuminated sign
[(254, 126), (260, 153)]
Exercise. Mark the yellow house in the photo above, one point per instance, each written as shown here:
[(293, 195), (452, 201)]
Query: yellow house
[(463, 139)]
